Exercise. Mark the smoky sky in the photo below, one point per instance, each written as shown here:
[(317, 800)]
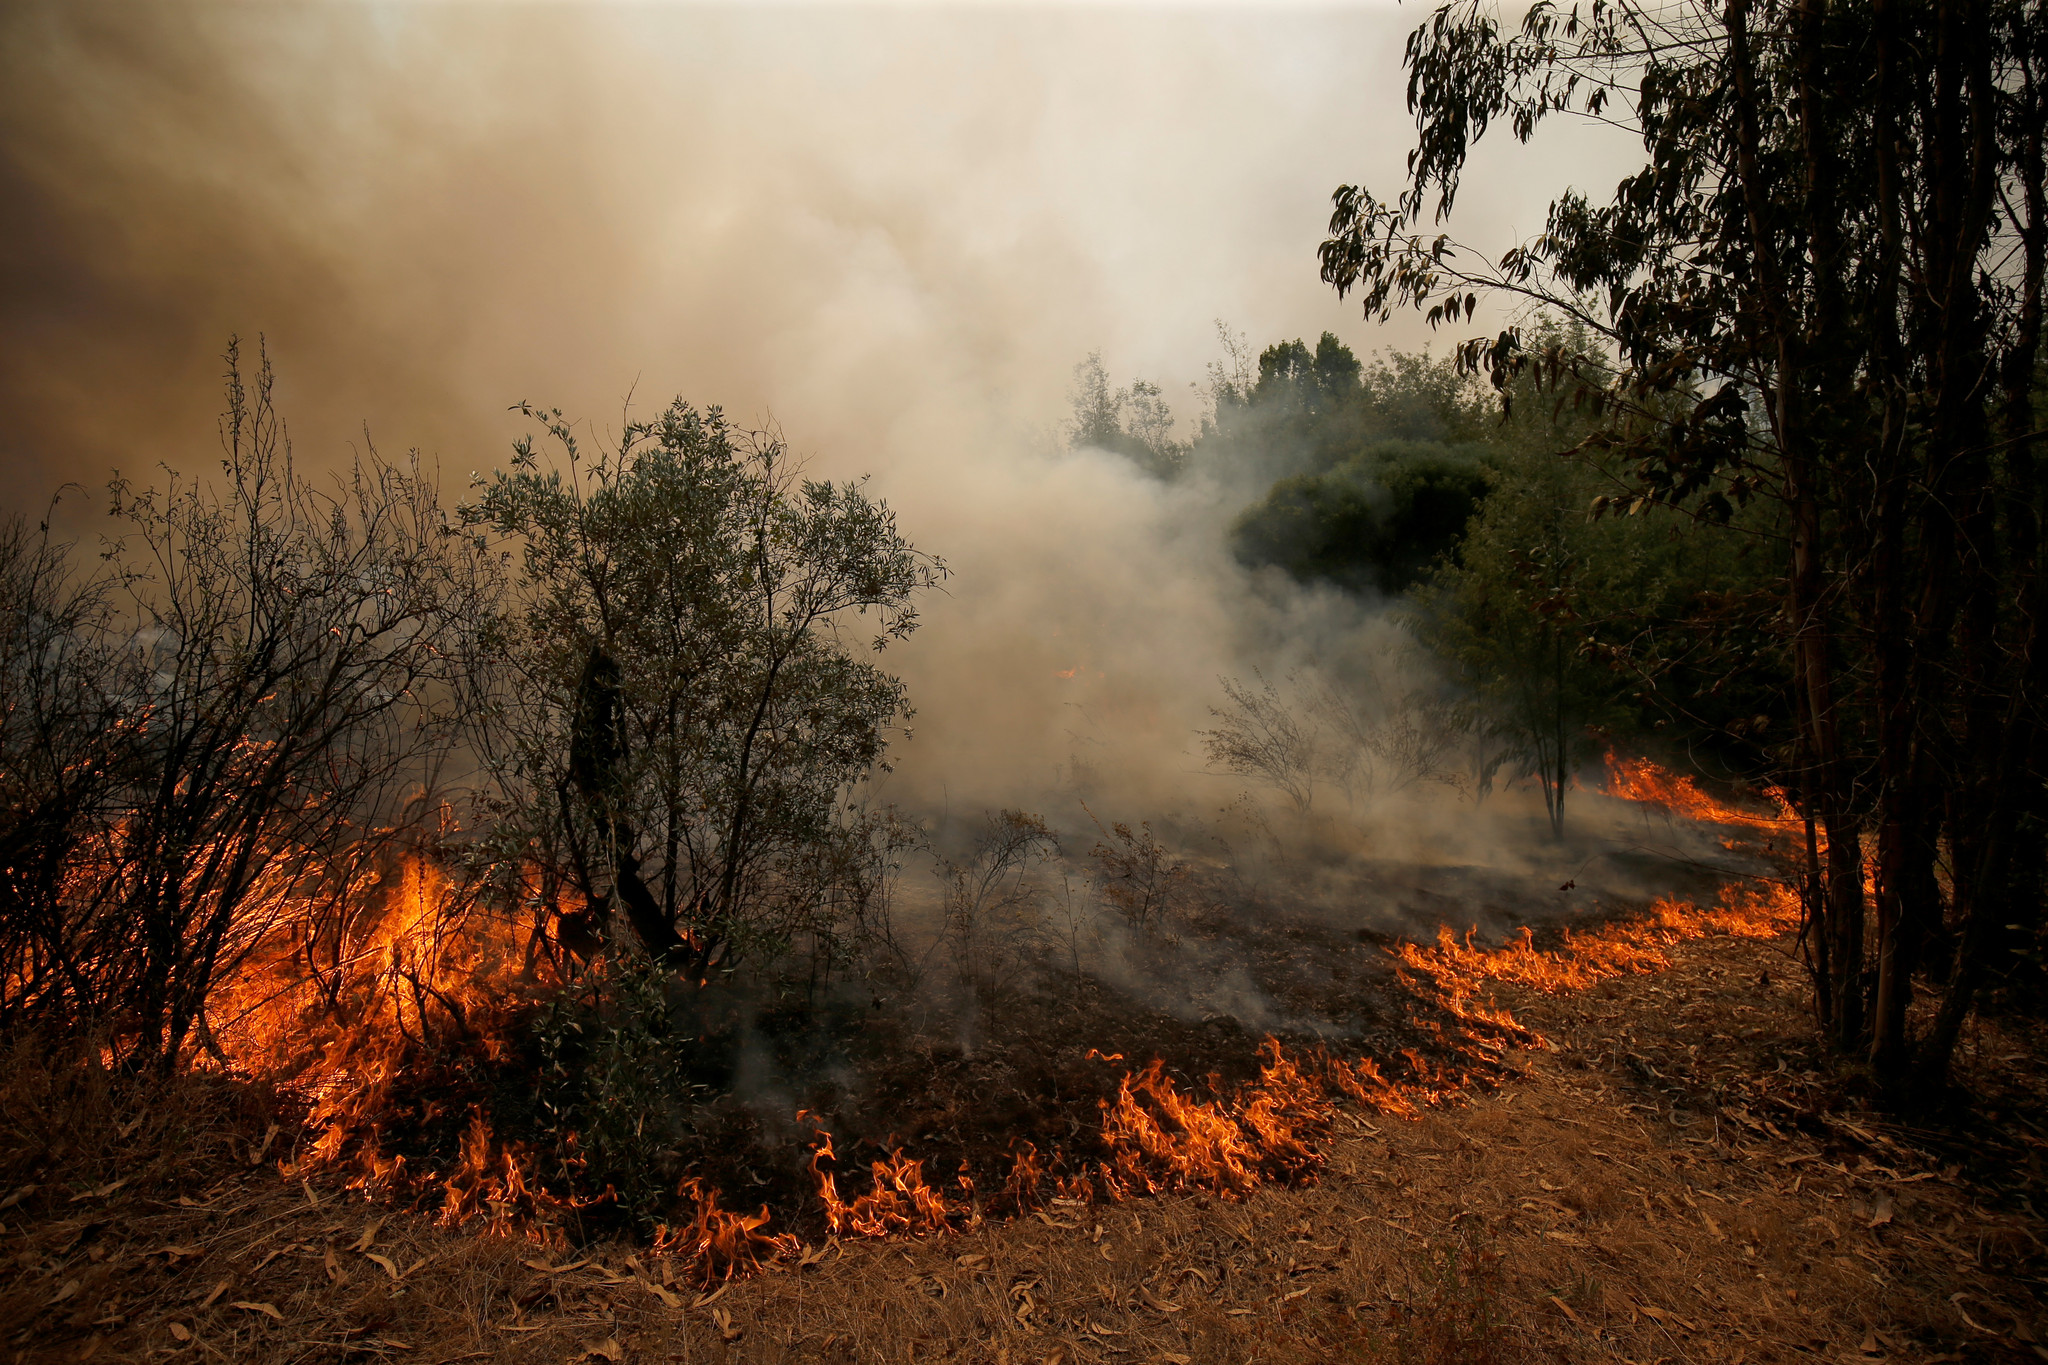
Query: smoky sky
[(892, 231)]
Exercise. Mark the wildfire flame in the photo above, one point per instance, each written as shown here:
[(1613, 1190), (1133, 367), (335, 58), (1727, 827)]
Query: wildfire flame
[(718, 1243), (355, 1017), (899, 1201), (1640, 780)]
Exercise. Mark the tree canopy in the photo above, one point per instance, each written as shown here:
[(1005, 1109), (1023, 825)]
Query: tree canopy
[(685, 702)]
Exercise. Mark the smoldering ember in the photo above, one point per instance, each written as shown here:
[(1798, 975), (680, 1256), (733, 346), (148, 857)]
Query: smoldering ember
[(666, 693)]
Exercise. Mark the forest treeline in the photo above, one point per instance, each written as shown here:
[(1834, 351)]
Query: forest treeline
[(1547, 635)]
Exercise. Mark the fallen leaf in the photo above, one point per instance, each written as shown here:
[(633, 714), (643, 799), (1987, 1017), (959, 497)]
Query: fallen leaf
[(668, 1299), (971, 1262), (218, 1290), (544, 1268), (1880, 1211), (608, 1349), (706, 1300), (20, 1194), (812, 1256), (1665, 1317), (1869, 1346), (333, 1265), (369, 1237), (181, 1332), (1295, 1295), (1566, 1309), (70, 1288), (174, 1251), (725, 1327), (103, 1191), (266, 1308), (390, 1266), (1957, 1300)]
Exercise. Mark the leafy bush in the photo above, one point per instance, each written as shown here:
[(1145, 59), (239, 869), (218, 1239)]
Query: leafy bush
[(613, 1086)]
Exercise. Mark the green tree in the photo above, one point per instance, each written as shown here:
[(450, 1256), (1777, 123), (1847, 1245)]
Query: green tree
[(1378, 521), (1380, 466), (684, 706), (1822, 290), (1511, 618), (1134, 422)]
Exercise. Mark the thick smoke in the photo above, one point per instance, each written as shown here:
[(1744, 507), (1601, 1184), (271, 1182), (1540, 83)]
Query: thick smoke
[(892, 231)]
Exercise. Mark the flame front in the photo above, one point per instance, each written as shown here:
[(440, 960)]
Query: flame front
[(367, 1016)]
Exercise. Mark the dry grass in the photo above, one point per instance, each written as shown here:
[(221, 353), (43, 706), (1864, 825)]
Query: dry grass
[(1672, 1180)]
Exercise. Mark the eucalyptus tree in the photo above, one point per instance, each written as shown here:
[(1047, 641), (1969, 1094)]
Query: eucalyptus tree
[(1822, 288)]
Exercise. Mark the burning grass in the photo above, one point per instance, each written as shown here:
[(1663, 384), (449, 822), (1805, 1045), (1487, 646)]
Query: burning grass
[(429, 1045), (1580, 961), (390, 1052), (1672, 1178)]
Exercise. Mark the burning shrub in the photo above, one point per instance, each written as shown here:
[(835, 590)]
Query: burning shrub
[(219, 725)]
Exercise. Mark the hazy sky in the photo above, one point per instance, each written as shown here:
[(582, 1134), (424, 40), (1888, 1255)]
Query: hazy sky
[(892, 229)]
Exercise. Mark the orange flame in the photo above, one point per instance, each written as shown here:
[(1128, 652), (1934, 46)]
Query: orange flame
[(1640, 780), (718, 1243), (1583, 960), (899, 1201)]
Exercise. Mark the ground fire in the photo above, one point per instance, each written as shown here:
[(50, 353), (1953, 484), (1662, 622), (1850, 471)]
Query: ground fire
[(384, 1030)]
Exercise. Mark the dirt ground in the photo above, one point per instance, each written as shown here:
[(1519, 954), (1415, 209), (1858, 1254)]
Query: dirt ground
[(1676, 1177)]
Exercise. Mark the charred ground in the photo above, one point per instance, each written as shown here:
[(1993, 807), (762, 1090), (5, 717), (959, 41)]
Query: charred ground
[(888, 1071)]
